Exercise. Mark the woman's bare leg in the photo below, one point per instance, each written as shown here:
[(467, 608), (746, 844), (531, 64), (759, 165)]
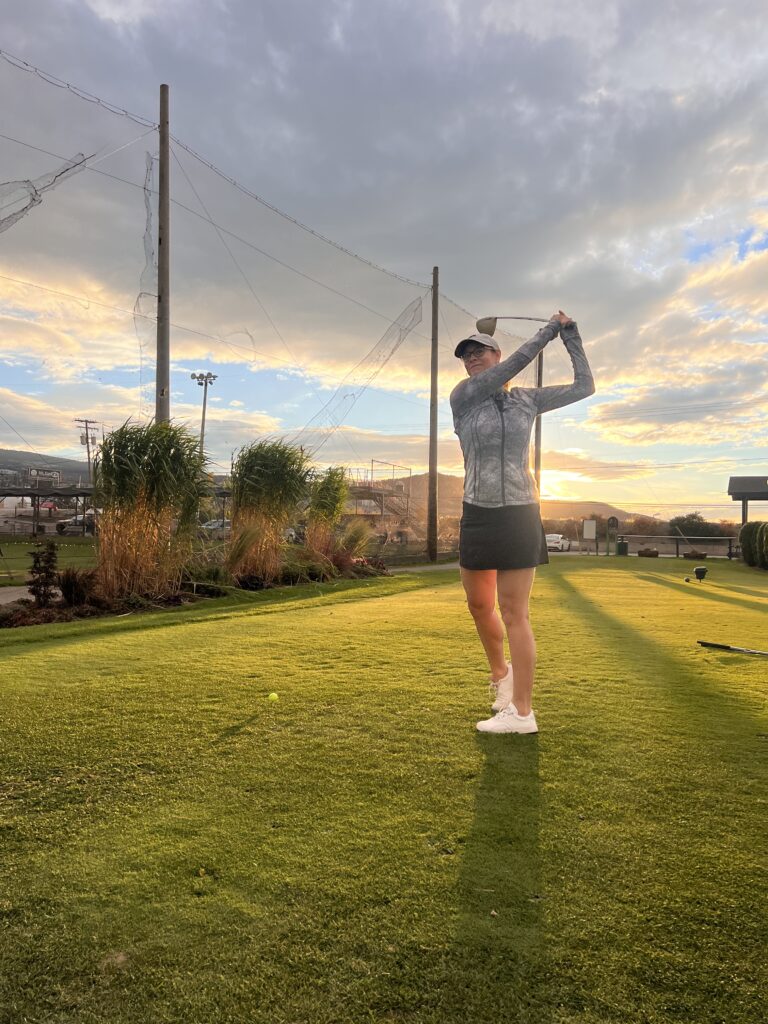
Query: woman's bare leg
[(480, 588), (514, 589)]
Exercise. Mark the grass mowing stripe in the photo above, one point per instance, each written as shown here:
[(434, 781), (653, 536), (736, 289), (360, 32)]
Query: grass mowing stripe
[(189, 851), (221, 609), (689, 890)]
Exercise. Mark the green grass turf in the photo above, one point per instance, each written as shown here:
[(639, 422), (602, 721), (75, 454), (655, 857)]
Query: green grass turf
[(15, 560), (176, 848)]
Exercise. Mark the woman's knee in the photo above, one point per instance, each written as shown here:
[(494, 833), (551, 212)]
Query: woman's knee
[(514, 615), (480, 608)]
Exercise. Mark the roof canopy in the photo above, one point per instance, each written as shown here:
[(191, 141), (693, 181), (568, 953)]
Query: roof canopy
[(748, 488), (46, 491)]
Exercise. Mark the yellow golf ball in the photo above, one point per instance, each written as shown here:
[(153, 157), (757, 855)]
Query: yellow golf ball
[(273, 696)]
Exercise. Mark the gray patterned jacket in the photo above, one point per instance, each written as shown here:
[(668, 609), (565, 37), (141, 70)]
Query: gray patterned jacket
[(494, 426)]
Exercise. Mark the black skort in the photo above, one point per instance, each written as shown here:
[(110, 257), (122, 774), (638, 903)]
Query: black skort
[(510, 537)]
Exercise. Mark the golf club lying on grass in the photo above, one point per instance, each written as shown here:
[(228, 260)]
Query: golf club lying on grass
[(728, 647)]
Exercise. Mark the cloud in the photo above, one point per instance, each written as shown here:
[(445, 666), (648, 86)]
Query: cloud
[(131, 13), (608, 161), (573, 465)]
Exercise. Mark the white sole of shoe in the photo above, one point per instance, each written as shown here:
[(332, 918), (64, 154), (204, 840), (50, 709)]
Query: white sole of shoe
[(507, 726)]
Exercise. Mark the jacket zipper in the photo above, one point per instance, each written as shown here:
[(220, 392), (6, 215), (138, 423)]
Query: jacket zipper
[(498, 403)]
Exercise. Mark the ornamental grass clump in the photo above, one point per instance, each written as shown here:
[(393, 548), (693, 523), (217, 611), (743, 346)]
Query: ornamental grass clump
[(269, 481), (328, 495), (149, 481), (351, 550)]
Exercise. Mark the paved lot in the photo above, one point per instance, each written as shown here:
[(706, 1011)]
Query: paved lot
[(8, 594)]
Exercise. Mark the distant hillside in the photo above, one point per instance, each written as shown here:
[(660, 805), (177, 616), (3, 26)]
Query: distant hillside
[(71, 470), (450, 490)]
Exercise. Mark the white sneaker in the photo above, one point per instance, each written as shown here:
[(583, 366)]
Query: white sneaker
[(508, 720), (502, 691)]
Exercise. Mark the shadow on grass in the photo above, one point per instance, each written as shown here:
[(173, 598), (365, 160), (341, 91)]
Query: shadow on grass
[(706, 709), (702, 590), (749, 590), (495, 960)]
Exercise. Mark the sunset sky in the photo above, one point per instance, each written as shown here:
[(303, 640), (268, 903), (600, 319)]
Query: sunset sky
[(606, 158)]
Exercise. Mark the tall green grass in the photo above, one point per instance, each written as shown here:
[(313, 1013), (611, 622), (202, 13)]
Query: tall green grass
[(269, 480), (149, 481)]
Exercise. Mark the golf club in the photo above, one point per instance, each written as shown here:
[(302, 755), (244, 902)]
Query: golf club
[(487, 324), (728, 647)]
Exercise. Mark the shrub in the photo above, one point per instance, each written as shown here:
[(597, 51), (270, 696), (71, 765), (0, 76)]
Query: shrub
[(352, 546), (302, 565), (44, 575), (206, 568), (761, 546), (11, 613), (77, 585), (748, 542), (370, 567)]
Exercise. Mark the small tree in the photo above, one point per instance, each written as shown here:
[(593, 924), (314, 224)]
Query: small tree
[(695, 525), (44, 574), (645, 526)]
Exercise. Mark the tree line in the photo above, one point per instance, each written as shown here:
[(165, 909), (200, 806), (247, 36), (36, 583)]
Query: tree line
[(693, 524)]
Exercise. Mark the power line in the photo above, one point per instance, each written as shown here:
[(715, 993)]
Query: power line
[(83, 94), (23, 65), (670, 410), (226, 231), (223, 241), (26, 442), (87, 300)]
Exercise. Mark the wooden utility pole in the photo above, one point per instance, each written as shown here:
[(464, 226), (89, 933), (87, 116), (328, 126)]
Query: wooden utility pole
[(163, 371), (537, 433), (87, 438), (432, 492)]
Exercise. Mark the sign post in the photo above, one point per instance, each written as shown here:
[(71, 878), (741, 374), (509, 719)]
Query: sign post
[(613, 527), (589, 532)]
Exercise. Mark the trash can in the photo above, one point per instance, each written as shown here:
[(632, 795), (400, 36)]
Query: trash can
[(622, 547)]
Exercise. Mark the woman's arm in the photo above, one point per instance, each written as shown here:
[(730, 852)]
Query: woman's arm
[(558, 395), (474, 389)]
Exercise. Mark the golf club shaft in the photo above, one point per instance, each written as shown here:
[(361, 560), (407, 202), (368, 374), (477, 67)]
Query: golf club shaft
[(728, 647)]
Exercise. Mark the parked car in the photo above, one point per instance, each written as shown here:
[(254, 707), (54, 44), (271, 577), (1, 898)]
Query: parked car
[(74, 526), (216, 529), (557, 542)]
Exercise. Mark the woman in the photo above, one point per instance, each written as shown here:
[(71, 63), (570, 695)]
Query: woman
[(502, 539)]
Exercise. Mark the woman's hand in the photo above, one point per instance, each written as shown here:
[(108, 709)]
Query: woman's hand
[(562, 317)]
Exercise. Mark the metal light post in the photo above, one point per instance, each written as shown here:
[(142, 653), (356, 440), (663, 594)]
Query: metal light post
[(203, 380)]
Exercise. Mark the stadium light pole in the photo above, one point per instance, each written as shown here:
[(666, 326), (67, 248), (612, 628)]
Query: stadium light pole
[(203, 380), (432, 492)]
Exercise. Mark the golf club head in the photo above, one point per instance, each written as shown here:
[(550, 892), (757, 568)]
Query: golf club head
[(486, 325)]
